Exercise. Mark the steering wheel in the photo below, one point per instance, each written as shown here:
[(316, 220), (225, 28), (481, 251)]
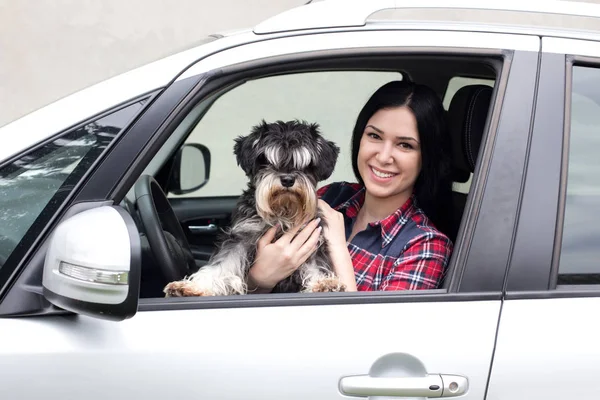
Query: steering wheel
[(165, 235)]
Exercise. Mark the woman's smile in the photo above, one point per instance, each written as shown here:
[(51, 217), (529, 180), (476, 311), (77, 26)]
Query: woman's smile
[(382, 175)]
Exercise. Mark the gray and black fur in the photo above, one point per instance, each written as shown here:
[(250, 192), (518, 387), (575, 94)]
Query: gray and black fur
[(283, 161)]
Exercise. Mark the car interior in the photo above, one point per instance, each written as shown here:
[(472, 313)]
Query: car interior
[(179, 225)]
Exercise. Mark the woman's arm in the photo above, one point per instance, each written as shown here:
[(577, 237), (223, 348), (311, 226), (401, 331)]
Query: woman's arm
[(335, 234), (342, 266)]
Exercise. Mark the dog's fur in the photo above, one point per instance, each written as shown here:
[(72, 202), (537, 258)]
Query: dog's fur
[(268, 155)]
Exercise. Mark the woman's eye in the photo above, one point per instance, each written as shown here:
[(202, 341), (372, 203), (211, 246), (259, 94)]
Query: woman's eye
[(373, 135), (405, 145)]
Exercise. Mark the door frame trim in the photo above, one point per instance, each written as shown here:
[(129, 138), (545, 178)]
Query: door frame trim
[(310, 299)]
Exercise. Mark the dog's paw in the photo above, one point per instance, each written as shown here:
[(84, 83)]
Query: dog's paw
[(327, 285), (184, 289)]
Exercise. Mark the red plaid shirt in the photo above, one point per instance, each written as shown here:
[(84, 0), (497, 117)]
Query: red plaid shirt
[(403, 251)]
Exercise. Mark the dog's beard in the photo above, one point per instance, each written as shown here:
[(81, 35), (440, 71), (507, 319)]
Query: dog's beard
[(288, 207)]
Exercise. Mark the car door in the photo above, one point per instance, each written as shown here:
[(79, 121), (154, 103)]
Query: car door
[(299, 346), (547, 339)]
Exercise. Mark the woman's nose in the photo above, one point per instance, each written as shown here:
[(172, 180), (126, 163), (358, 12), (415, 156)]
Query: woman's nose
[(384, 155)]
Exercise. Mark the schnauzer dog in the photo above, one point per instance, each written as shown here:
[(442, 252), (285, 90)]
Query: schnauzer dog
[(284, 161)]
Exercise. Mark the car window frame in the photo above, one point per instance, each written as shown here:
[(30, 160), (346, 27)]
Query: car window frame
[(503, 178), (453, 292), (534, 265)]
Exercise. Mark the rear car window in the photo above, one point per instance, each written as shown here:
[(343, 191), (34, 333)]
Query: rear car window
[(580, 250)]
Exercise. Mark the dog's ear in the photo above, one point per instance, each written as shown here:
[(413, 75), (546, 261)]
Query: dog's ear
[(245, 148), (244, 153), (327, 155)]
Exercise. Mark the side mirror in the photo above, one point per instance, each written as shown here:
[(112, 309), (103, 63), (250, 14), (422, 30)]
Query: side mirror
[(93, 264), (191, 169)]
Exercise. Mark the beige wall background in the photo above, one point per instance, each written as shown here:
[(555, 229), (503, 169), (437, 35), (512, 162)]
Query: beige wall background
[(51, 48)]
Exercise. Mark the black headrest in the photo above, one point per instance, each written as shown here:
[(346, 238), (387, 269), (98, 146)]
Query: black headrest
[(467, 115)]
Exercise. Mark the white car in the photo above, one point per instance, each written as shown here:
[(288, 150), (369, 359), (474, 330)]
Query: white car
[(103, 193)]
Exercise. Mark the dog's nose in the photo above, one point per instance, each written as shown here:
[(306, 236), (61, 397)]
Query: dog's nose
[(287, 180)]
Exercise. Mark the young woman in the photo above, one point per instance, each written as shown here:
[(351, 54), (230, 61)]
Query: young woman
[(386, 231)]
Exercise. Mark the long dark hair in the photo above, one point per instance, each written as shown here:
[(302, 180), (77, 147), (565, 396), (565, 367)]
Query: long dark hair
[(433, 188)]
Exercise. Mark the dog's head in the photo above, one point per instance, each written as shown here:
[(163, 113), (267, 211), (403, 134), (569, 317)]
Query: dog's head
[(284, 162)]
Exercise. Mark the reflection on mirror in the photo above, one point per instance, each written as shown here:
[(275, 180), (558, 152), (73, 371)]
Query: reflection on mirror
[(193, 171)]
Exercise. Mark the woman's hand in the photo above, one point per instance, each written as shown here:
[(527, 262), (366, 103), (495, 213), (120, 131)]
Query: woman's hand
[(277, 260), (335, 234)]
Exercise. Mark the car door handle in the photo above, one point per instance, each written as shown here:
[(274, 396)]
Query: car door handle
[(198, 229), (432, 385)]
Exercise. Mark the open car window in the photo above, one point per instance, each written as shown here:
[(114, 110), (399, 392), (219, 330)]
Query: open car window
[(330, 98)]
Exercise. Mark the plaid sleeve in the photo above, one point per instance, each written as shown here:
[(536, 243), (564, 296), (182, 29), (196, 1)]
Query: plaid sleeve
[(323, 190), (421, 265)]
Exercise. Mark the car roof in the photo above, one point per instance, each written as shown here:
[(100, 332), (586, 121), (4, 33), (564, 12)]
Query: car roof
[(485, 27), (323, 16), (355, 13)]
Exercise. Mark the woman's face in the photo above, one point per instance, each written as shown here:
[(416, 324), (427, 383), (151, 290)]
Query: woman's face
[(389, 156)]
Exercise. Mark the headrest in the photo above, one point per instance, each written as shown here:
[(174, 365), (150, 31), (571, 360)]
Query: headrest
[(467, 115)]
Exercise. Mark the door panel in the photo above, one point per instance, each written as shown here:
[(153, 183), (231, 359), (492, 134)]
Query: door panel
[(291, 352), (202, 220), (547, 349)]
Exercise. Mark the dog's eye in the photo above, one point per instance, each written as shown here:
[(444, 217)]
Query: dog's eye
[(262, 160)]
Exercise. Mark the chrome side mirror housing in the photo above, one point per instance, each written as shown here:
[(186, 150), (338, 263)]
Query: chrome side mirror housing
[(93, 264)]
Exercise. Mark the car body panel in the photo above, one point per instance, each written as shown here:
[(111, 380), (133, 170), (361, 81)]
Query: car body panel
[(532, 252), (292, 352), (547, 349), (571, 46)]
